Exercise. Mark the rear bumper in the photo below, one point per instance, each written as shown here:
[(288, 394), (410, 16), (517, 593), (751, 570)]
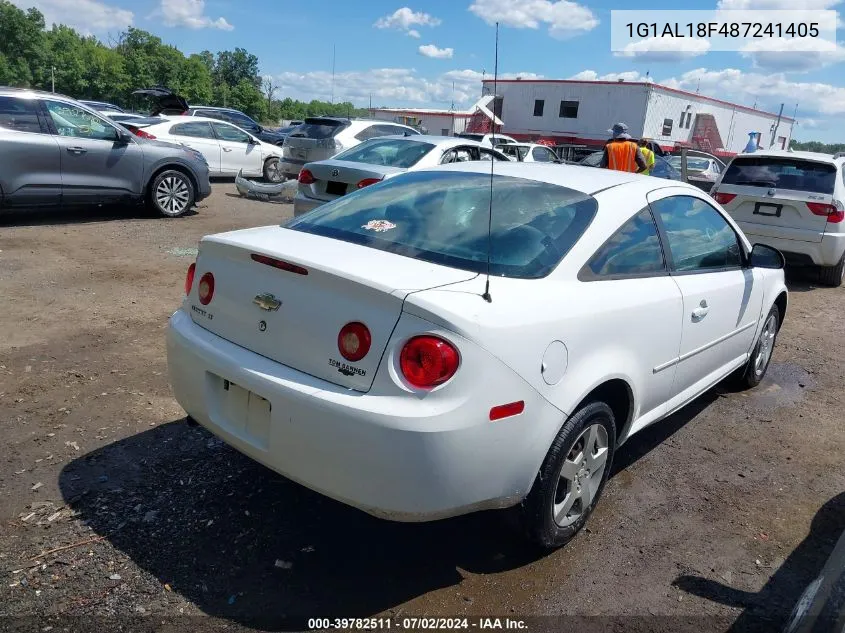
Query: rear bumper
[(304, 204), (394, 455), (822, 249)]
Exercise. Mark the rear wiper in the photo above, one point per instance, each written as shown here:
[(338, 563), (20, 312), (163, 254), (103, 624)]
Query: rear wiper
[(767, 183)]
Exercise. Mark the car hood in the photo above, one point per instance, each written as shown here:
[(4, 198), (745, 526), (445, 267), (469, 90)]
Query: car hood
[(164, 99)]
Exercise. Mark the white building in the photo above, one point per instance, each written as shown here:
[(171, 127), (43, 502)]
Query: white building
[(580, 112), (441, 122)]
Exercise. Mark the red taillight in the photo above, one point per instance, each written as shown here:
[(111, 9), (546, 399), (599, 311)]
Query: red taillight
[(367, 182), (142, 134), (354, 341), (428, 361), (306, 177), (723, 198), (507, 410), (206, 288), (278, 263), (189, 278), (834, 215)]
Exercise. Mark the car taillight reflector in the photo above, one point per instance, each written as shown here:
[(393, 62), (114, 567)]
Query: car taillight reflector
[(834, 215), (306, 177), (367, 182), (189, 278), (280, 264), (142, 134), (353, 341), (507, 410), (428, 361), (723, 198), (206, 289)]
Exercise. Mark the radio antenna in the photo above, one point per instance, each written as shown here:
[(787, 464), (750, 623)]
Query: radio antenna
[(486, 296)]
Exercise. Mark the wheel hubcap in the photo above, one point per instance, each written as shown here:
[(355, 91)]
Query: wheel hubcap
[(172, 194), (767, 344), (580, 476)]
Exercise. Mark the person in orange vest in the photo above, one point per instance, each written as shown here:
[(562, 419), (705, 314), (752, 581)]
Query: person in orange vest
[(621, 153)]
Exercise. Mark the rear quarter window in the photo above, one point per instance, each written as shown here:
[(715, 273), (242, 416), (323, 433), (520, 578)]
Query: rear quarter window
[(781, 173)]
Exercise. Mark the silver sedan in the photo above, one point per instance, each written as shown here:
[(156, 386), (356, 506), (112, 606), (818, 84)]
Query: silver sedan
[(380, 158)]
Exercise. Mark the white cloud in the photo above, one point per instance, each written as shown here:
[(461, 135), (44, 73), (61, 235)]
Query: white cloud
[(768, 90), (564, 18), (86, 16), (655, 49), (775, 54), (592, 75), (403, 19), (190, 14), (430, 50)]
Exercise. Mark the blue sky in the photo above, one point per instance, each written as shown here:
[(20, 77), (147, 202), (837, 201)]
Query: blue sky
[(411, 53)]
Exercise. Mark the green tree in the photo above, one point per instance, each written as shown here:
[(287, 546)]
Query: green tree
[(21, 45), (233, 67), (247, 98)]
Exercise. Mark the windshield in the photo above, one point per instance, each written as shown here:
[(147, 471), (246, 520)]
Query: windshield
[(781, 173), (442, 217), (393, 152)]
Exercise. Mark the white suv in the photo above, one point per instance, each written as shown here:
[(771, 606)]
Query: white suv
[(793, 201), (319, 138)]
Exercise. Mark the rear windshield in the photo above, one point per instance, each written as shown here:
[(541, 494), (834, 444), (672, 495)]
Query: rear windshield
[(390, 152), (442, 217), (781, 173), (319, 128), (472, 137)]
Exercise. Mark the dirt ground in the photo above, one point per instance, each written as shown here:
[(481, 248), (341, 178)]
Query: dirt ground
[(113, 510)]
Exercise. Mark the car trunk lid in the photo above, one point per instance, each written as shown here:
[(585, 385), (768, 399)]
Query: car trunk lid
[(335, 178), (785, 192), (341, 283), (164, 100), (314, 140)]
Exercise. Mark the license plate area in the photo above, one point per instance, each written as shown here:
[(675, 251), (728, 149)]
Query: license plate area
[(768, 210), (240, 411), (336, 188)]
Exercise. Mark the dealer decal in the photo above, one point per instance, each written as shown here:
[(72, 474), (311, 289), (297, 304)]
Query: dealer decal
[(202, 312), (347, 370), (379, 226)]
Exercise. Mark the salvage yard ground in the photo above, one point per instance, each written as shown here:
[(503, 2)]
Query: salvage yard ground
[(110, 505)]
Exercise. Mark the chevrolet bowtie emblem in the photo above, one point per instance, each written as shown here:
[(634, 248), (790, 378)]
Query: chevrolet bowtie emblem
[(267, 302)]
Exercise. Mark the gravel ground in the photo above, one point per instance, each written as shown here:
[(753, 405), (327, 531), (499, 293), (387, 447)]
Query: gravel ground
[(114, 511)]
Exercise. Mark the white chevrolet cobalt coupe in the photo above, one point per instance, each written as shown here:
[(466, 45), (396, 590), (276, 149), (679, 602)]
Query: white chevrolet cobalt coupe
[(357, 350)]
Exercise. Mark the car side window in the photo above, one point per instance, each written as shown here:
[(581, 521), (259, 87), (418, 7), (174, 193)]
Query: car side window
[(457, 155), (367, 133), (486, 154), (20, 115), (211, 114), (541, 155), (634, 250), (699, 238), (72, 121), (229, 133), (200, 129)]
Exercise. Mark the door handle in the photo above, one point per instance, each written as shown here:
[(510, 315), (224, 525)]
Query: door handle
[(227, 149), (76, 150), (701, 311)]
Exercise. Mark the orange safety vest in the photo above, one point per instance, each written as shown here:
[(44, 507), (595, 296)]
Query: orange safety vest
[(622, 156)]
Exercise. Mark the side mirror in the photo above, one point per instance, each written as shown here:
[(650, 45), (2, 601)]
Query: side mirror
[(253, 140), (124, 137), (763, 256), (258, 129)]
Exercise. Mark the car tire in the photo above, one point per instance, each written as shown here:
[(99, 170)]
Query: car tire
[(171, 193), (273, 170), (572, 477), (833, 275), (752, 373)]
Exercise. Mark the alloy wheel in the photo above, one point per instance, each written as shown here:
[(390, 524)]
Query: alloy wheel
[(767, 344), (580, 475), (172, 195)]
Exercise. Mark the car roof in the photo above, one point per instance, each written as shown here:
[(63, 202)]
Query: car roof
[(180, 118), (587, 180), (205, 107), (780, 153), (29, 93)]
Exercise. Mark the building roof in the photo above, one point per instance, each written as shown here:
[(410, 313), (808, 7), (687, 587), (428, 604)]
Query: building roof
[(655, 86), (423, 112)]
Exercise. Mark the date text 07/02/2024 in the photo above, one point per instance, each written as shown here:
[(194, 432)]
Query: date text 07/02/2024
[(723, 29), (416, 624)]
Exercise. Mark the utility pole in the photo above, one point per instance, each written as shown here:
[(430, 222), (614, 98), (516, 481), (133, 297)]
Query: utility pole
[(53, 77), (333, 60)]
